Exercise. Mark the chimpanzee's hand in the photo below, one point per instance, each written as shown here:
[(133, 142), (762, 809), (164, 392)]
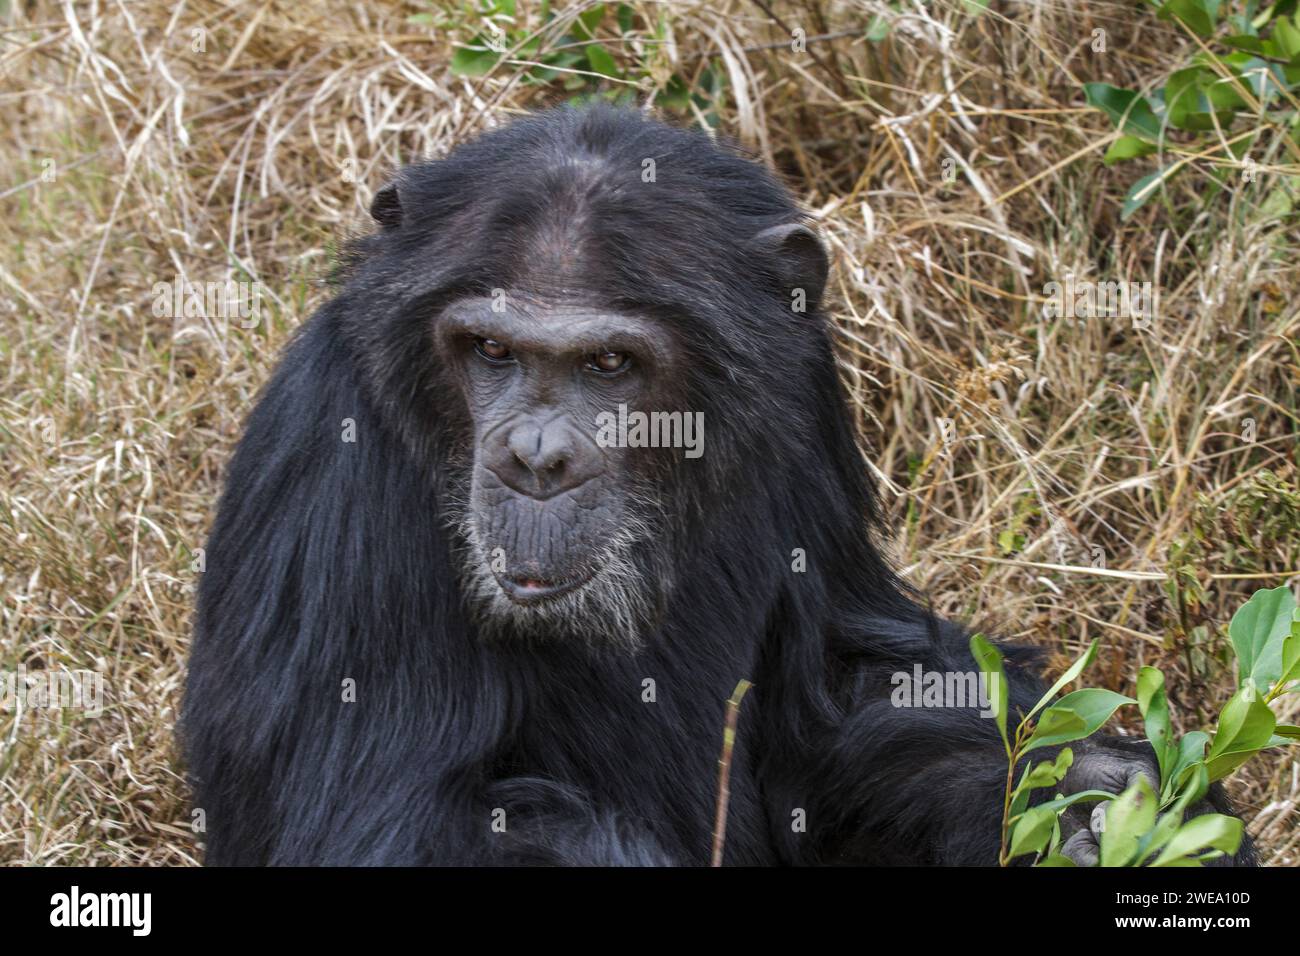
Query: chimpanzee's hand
[(1112, 764)]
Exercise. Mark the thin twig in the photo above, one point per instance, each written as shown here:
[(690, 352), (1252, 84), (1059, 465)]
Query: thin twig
[(724, 769)]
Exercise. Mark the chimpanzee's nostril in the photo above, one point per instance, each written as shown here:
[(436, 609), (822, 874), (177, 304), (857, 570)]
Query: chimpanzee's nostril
[(538, 468)]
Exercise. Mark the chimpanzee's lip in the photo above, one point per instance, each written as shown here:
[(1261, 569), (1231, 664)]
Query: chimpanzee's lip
[(526, 590)]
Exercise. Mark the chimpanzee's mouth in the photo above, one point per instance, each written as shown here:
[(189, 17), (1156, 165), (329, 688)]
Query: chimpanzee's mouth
[(526, 590)]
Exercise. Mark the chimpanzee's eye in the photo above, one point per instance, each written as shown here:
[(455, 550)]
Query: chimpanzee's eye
[(609, 362), (492, 350)]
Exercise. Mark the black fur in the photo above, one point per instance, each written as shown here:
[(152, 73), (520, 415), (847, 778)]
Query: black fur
[(331, 560)]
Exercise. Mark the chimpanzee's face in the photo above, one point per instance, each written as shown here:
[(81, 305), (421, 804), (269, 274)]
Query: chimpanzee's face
[(555, 512)]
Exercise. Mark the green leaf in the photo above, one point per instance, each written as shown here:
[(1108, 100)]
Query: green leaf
[(1244, 41), (1057, 860), (1045, 773), (1286, 38), (1245, 725), (1169, 823), (1209, 831), (1198, 98), (588, 20), (1071, 672), (1166, 826), (1075, 716), (1129, 111), (1276, 205), (1127, 147), (601, 61), (1038, 821), (1128, 818), (1144, 189), (989, 659), (1194, 787), (1155, 712), (877, 29), (467, 61), (1031, 832), (1020, 796), (529, 48), (626, 18), (1191, 754), (1290, 653), (1262, 78), (1290, 731), (1054, 844), (675, 95), (1059, 723), (1257, 631), (1182, 96), (1199, 15), (1060, 803)]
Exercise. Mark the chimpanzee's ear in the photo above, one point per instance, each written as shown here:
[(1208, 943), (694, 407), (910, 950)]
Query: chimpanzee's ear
[(795, 251), (386, 207)]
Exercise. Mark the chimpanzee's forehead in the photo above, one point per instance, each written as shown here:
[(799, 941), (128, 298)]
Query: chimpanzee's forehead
[(552, 322), (571, 307)]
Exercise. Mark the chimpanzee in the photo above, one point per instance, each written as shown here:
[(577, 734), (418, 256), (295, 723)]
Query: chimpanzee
[(454, 614)]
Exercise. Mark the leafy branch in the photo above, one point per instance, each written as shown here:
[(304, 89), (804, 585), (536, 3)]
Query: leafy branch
[(1140, 826)]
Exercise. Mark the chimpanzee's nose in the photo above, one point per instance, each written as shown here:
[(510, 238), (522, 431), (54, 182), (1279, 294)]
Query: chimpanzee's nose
[(541, 459)]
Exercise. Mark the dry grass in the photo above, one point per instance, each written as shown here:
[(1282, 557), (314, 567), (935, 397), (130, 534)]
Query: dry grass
[(253, 156)]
